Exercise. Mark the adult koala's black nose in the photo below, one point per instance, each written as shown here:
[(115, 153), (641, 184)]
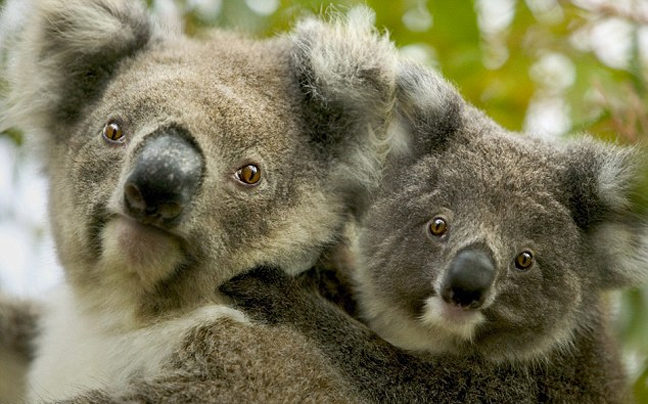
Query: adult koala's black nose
[(166, 175), (469, 278)]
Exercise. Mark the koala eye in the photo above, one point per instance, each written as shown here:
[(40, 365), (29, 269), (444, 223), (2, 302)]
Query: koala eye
[(524, 260), (438, 226), (249, 174), (112, 132)]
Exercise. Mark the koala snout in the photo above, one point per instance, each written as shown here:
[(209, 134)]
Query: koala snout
[(167, 173), (468, 279)]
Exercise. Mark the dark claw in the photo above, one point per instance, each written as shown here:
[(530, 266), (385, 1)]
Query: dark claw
[(261, 293), (255, 281)]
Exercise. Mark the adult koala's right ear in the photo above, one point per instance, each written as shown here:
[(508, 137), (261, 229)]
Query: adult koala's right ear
[(346, 72), (60, 53)]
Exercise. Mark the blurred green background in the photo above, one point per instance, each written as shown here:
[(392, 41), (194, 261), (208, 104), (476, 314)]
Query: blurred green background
[(552, 67)]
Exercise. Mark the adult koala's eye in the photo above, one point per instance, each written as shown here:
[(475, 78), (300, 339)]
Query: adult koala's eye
[(249, 174), (112, 132), (438, 226), (524, 260)]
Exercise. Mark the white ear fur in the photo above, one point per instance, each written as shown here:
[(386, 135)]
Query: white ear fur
[(626, 241), (49, 46), (429, 108), (347, 71), (422, 89), (620, 235), (626, 254), (12, 17), (618, 171), (348, 61)]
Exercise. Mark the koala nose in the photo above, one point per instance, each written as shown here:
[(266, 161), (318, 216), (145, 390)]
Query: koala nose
[(167, 173), (469, 278)]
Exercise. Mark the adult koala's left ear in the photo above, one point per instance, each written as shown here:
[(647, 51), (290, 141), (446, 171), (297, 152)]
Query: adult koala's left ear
[(347, 73), (606, 187)]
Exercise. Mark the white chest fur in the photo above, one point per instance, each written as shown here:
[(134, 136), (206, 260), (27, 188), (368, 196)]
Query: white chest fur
[(78, 352)]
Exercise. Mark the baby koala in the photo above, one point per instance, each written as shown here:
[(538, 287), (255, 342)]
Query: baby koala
[(496, 244), (483, 259)]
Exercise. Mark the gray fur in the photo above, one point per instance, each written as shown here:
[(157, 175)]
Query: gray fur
[(229, 362), (308, 108), (541, 335), (571, 204), (382, 373)]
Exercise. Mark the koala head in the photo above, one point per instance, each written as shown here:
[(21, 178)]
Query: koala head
[(177, 163), (493, 243)]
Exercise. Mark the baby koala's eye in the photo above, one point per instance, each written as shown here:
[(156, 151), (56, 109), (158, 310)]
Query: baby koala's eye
[(112, 132), (524, 260), (438, 226), (249, 174)]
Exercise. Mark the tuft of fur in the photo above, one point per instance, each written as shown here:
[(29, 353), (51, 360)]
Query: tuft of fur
[(428, 107), (349, 83), (605, 183), (74, 47)]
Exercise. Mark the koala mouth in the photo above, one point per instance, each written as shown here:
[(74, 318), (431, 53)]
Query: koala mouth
[(135, 231), (131, 247), (451, 318)]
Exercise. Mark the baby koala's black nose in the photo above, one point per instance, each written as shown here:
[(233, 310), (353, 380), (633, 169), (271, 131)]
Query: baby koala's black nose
[(469, 278), (166, 175)]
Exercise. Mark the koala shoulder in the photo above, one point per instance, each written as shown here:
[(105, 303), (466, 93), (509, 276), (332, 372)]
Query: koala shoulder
[(223, 361)]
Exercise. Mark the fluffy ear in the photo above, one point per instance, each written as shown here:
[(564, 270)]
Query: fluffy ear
[(430, 108), (606, 196), (346, 71), (62, 53)]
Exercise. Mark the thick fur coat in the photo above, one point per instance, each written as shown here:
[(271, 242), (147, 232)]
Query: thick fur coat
[(481, 268), (179, 164), (176, 164)]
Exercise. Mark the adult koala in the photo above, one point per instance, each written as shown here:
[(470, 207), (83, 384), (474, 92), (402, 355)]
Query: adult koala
[(481, 266), (176, 164)]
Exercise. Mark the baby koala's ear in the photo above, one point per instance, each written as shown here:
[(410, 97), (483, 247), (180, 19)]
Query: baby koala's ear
[(62, 52), (430, 109), (606, 194)]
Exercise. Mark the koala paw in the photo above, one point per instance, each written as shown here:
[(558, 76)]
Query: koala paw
[(264, 293)]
